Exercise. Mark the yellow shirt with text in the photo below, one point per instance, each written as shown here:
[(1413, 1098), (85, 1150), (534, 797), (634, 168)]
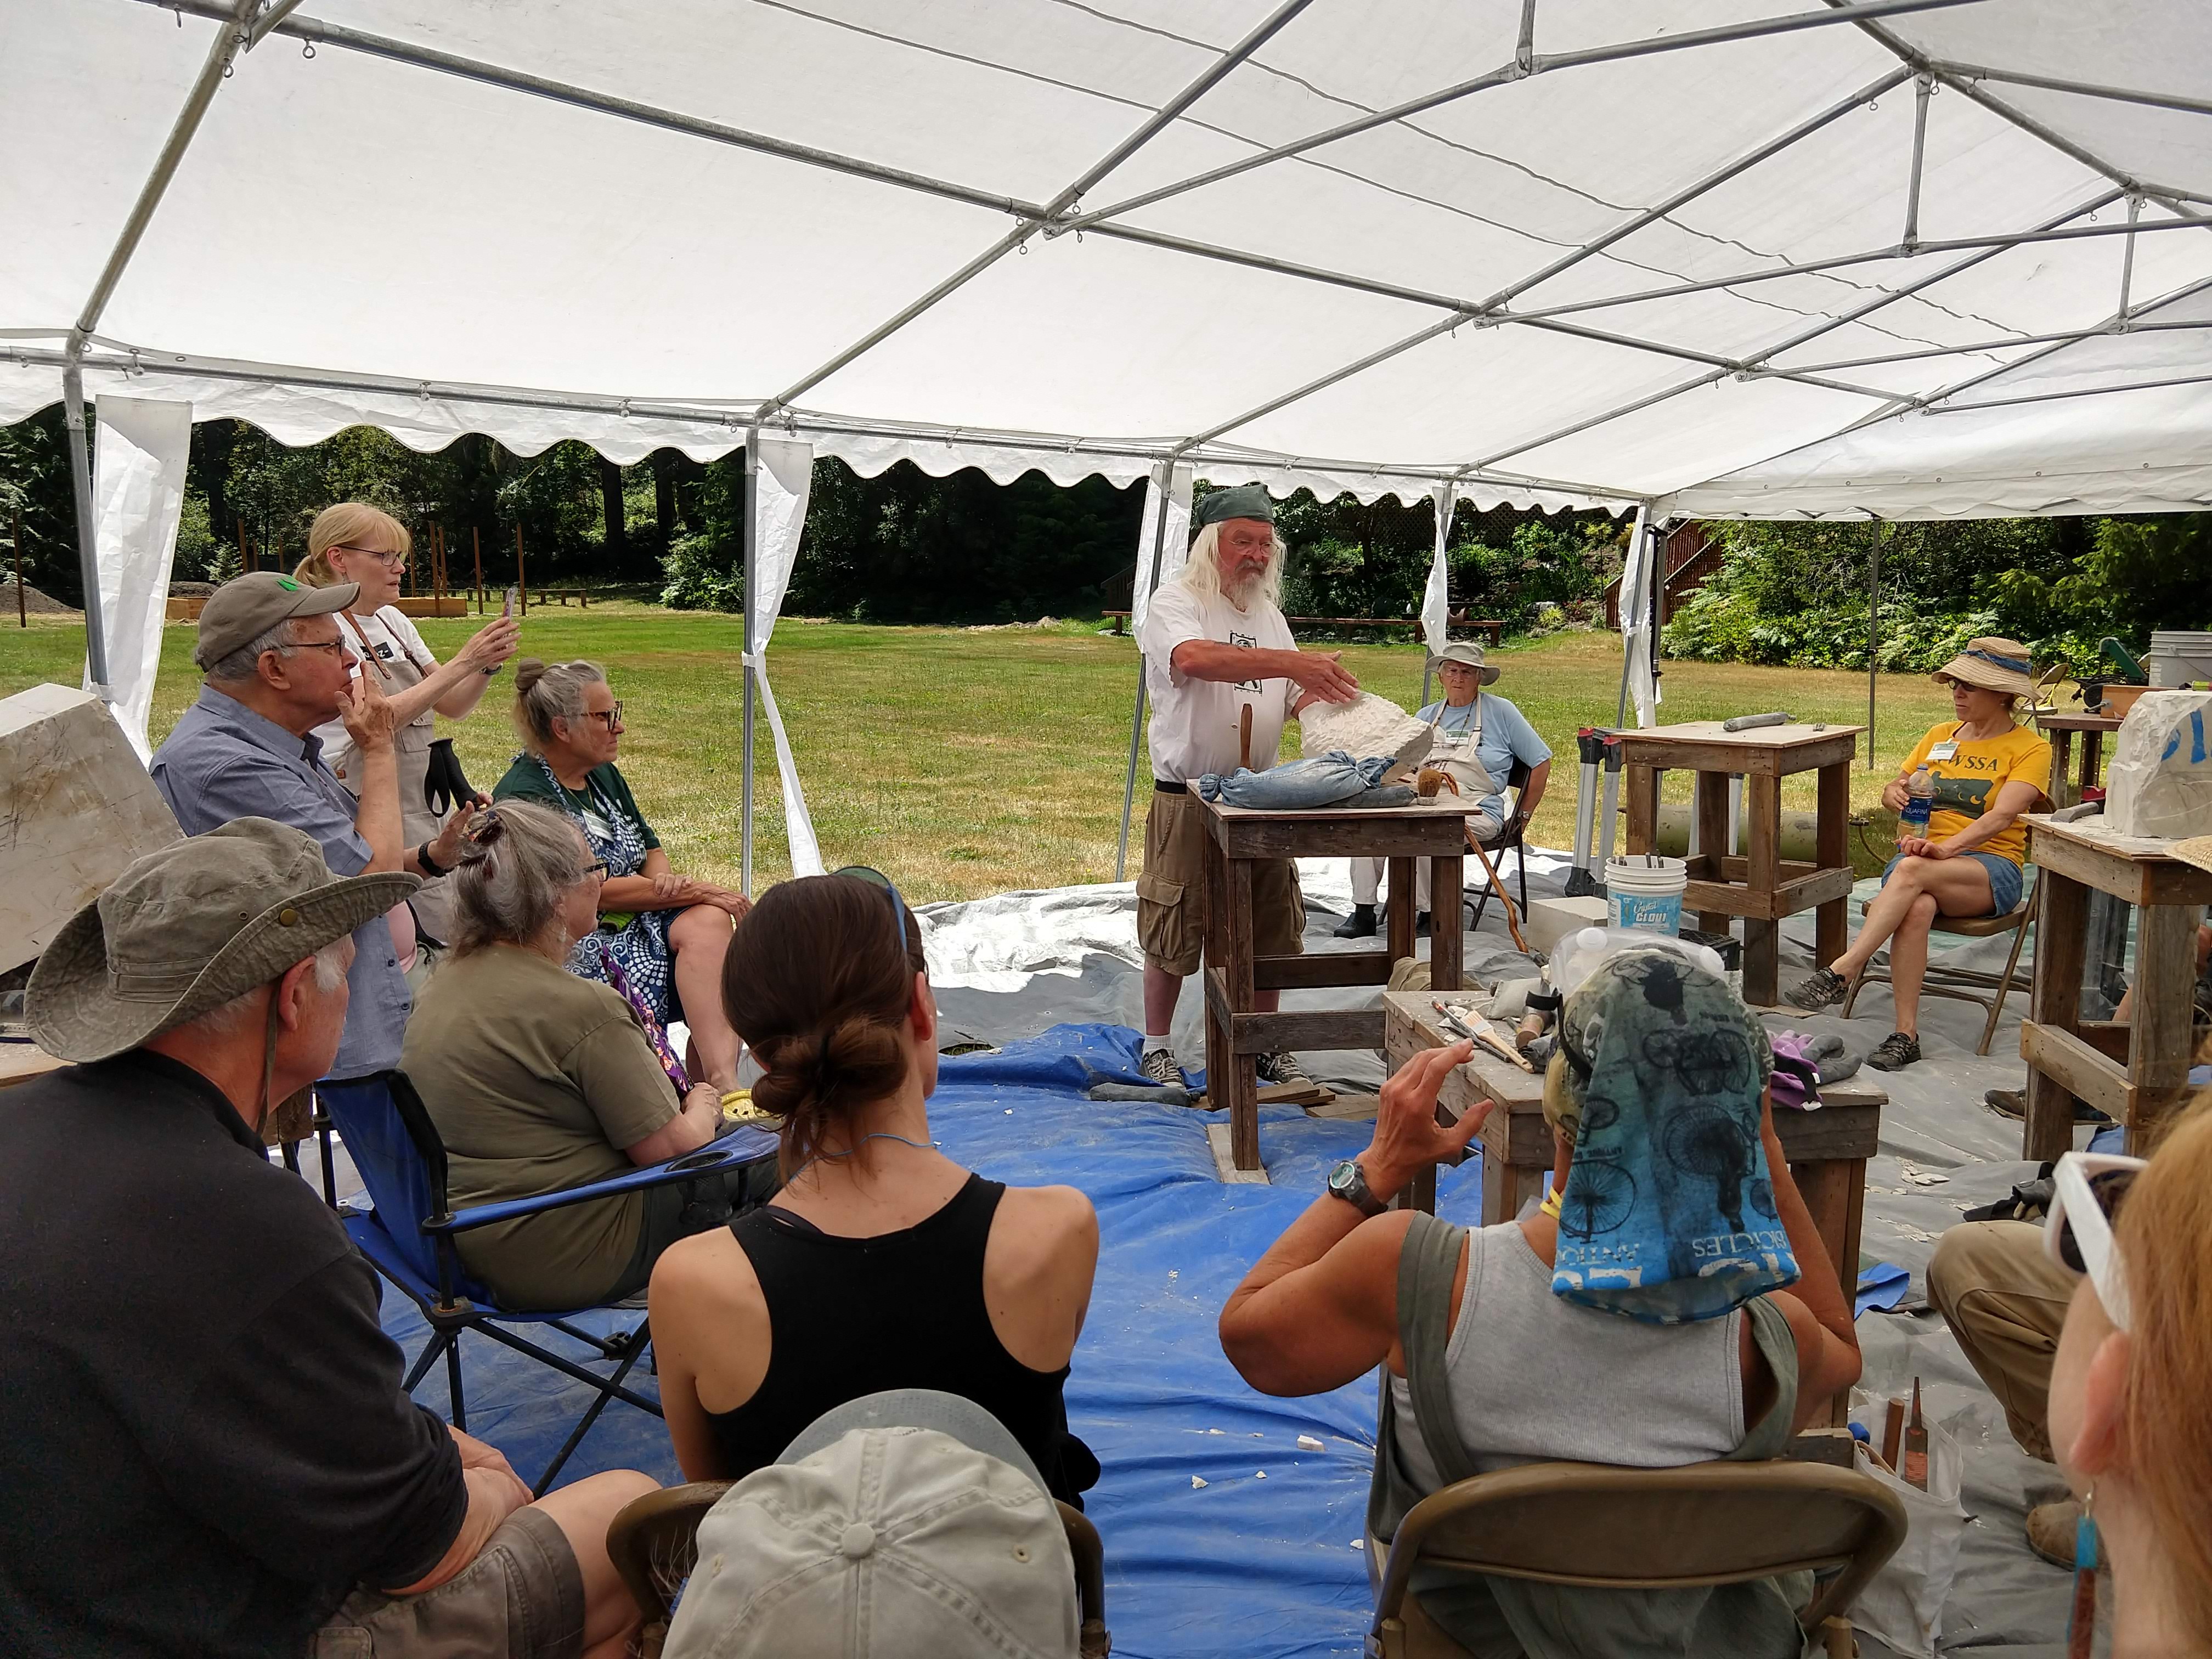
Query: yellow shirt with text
[(1967, 783)]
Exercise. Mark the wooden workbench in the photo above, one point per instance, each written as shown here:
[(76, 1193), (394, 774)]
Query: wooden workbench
[(1235, 1032), (22, 1061), (1827, 1149), (2060, 729), (2133, 1073), (1762, 887)]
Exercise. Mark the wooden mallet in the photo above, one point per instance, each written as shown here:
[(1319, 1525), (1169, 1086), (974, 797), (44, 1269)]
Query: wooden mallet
[(1245, 737)]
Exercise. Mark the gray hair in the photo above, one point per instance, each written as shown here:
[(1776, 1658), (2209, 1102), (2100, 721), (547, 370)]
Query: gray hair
[(517, 864), (236, 667), (1201, 568), (233, 1018), (545, 692)]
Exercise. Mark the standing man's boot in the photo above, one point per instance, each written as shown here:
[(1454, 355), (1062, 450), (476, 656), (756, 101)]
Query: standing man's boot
[(1360, 924)]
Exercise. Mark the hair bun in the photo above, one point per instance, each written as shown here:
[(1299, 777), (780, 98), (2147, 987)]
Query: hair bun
[(527, 673)]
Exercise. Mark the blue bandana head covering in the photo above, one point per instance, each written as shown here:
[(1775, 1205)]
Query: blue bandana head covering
[(1244, 501), (1668, 1213)]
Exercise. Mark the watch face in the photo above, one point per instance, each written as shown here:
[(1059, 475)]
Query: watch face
[(1345, 1178)]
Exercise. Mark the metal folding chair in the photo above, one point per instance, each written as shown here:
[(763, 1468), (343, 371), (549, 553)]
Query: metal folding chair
[(1510, 834)]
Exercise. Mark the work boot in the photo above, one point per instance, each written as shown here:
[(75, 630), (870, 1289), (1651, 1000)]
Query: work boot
[(1159, 1066), (2051, 1528), (1895, 1052), (2006, 1102), (1421, 925), (1823, 988), (1280, 1068), (1360, 924)]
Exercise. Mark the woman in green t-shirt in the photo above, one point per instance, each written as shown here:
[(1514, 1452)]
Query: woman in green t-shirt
[(668, 933), (1987, 770)]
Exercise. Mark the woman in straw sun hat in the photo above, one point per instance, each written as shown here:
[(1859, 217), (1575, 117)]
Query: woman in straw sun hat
[(1988, 769)]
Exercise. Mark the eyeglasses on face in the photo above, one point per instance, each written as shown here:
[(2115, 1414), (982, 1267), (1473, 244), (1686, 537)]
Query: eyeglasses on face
[(389, 560), (611, 716), (319, 645), (596, 872)]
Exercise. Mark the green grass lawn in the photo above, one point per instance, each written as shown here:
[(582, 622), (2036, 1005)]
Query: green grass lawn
[(972, 760)]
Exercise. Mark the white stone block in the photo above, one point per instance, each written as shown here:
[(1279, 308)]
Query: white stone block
[(76, 807), (1551, 920)]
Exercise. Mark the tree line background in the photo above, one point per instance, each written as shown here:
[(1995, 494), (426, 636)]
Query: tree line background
[(905, 547)]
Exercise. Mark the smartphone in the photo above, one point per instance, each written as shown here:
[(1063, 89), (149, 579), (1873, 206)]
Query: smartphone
[(506, 605)]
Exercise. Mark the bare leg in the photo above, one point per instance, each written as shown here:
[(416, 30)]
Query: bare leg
[(1959, 886), (583, 1510), (1161, 988), (700, 937), (1908, 963)]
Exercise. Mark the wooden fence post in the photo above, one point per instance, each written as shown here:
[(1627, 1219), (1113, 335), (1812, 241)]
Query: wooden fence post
[(476, 546)]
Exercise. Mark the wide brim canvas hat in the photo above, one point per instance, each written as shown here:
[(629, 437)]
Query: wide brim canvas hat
[(1993, 665), (188, 928), (1468, 653)]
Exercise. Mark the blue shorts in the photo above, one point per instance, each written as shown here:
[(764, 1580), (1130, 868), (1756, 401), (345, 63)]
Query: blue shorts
[(2004, 878)]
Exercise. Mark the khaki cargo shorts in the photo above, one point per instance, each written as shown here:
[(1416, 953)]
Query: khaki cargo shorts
[(1171, 892), (521, 1598)]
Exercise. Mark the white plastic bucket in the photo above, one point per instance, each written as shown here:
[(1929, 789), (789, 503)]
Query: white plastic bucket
[(1646, 893), (2178, 657)]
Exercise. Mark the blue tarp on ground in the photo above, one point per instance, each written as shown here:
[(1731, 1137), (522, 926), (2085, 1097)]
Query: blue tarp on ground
[(1261, 1560)]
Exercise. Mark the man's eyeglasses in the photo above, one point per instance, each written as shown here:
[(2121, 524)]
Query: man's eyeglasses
[(2087, 1189), (317, 645), (610, 717), (389, 560), (878, 879), (598, 870)]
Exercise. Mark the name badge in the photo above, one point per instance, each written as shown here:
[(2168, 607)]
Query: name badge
[(1943, 751), (1451, 738)]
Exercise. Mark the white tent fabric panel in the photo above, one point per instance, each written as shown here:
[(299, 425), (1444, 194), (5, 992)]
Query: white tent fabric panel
[(783, 478), (346, 226), (138, 499)]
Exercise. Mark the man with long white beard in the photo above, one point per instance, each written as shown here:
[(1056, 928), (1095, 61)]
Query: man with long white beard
[(1215, 644)]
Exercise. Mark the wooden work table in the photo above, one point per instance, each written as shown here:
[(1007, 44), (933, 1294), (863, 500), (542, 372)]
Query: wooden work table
[(22, 1061), (1827, 1149), (1761, 887), (2060, 729), (2136, 1072), (1237, 1033)]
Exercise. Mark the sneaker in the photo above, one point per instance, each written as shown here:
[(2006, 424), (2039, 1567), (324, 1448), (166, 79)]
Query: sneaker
[(2051, 1529), (1159, 1066), (2006, 1103), (1895, 1052), (1360, 924), (1824, 988), (1280, 1068)]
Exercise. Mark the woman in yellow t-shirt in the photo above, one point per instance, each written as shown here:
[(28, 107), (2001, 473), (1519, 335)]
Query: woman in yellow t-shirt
[(1988, 770)]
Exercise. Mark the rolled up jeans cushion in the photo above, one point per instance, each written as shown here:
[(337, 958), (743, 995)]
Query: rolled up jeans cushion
[(1323, 781)]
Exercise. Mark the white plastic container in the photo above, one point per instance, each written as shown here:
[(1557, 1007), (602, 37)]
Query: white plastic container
[(1646, 890), (1579, 954), (2177, 657)]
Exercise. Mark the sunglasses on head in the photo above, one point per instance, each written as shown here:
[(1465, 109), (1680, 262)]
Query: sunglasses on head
[(878, 879), (2087, 1189)]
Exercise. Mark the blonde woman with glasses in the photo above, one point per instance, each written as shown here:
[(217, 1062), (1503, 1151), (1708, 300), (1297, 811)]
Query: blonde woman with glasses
[(661, 935), (354, 542)]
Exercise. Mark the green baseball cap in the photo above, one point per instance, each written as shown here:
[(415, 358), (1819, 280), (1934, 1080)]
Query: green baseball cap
[(253, 604), (1245, 502)]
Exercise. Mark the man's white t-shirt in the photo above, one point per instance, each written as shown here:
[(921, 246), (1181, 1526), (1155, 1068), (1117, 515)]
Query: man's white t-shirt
[(1194, 722), (390, 636)]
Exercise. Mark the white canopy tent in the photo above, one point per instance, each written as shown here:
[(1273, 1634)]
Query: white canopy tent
[(1893, 258)]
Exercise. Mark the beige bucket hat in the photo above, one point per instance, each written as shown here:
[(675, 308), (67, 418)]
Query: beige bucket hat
[(1470, 653), (1992, 663), (190, 928), (2196, 850)]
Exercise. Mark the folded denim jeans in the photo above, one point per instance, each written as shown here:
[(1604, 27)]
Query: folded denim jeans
[(1328, 779)]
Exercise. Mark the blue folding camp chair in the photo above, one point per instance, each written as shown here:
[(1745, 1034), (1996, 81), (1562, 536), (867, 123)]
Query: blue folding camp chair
[(410, 1237)]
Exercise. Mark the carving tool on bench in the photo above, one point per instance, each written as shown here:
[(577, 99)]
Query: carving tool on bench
[(1477, 1029)]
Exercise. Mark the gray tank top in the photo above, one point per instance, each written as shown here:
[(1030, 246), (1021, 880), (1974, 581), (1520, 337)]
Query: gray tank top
[(1644, 1396)]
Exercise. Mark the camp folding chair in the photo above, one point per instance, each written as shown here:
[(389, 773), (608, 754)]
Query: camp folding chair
[(410, 1239), (1622, 1529), (1969, 984), (1511, 834), (654, 1544)]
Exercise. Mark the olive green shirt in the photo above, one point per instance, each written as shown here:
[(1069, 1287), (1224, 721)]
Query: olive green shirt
[(537, 1080)]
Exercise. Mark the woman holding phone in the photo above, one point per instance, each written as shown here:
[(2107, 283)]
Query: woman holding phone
[(354, 542)]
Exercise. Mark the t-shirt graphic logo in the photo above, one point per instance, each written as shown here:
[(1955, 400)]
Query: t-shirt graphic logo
[(1970, 796), (1248, 643)]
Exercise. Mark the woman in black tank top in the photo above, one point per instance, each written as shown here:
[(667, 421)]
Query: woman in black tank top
[(882, 1264)]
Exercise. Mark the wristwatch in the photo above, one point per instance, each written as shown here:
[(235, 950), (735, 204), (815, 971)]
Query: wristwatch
[(1347, 1182)]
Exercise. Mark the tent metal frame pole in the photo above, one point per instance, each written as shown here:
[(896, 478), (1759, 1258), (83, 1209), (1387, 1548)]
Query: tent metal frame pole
[(1923, 89), (230, 36), (1158, 122), (1628, 227), (2069, 336), (2070, 391), (2128, 254), (273, 13), (1874, 634), (2055, 83), (1165, 476), (1506, 74), (752, 612)]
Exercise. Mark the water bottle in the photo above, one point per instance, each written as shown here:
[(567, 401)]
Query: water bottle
[(1919, 802)]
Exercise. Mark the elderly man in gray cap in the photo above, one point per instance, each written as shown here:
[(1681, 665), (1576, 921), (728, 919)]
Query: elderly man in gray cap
[(1216, 646), (277, 666), (209, 1449), (1480, 737)]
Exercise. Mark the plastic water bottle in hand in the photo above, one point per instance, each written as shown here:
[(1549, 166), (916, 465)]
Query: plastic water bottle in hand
[(1919, 802)]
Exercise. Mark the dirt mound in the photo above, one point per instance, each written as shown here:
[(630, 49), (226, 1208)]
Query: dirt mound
[(190, 589), (37, 604)]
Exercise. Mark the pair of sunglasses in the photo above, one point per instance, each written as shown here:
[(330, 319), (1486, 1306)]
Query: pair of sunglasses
[(878, 879), (2087, 1189)]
